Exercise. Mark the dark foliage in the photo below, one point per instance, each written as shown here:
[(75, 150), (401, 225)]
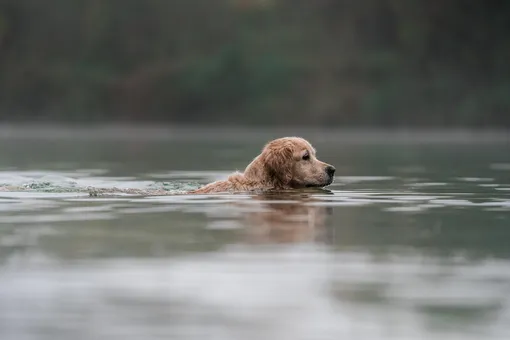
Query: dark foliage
[(321, 62)]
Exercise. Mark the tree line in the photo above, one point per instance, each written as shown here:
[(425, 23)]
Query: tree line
[(321, 62)]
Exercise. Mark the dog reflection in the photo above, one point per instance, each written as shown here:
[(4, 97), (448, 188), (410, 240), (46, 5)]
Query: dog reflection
[(286, 219)]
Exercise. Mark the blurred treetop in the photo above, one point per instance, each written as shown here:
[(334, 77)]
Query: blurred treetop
[(320, 62)]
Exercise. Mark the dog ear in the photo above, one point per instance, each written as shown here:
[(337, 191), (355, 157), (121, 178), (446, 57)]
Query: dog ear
[(278, 163)]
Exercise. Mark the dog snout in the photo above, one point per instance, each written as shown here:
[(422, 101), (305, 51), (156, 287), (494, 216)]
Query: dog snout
[(330, 170)]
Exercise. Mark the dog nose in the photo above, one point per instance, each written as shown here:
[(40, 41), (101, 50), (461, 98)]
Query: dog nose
[(330, 170)]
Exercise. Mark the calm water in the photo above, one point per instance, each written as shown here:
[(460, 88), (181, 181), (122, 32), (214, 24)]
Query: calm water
[(411, 242)]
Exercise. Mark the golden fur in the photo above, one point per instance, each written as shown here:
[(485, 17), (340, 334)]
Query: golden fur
[(285, 163)]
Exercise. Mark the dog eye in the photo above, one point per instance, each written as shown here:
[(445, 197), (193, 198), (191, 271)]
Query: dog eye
[(306, 156)]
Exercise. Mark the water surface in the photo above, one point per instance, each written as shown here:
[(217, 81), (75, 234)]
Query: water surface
[(412, 241)]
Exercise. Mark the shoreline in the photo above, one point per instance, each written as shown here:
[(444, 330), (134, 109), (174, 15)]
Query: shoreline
[(152, 132)]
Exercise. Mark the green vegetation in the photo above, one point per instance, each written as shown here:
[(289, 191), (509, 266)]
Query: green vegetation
[(320, 62)]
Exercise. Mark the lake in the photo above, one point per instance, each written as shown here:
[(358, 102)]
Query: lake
[(411, 241)]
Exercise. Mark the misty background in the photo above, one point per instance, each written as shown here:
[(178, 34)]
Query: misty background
[(376, 63)]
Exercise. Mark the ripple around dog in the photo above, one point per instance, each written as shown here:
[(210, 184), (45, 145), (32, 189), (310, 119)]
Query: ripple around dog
[(156, 189)]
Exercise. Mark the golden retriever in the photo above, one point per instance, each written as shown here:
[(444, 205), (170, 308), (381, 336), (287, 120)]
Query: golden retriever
[(285, 163)]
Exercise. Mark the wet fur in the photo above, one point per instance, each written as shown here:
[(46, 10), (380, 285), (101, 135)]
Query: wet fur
[(276, 168)]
